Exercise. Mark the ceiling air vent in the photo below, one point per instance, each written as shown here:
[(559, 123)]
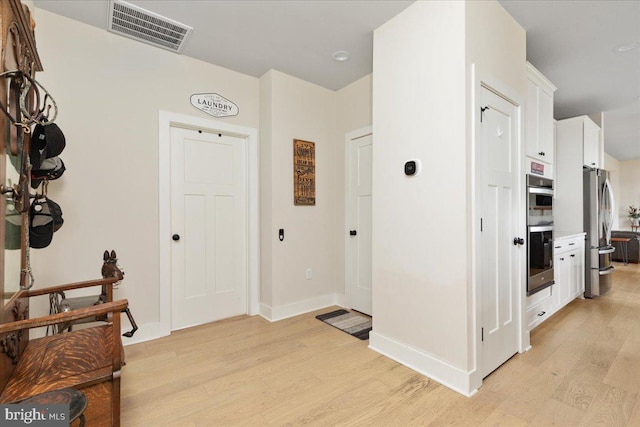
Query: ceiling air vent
[(134, 22)]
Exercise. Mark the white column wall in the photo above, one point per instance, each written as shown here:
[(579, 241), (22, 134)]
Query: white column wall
[(424, 281), (420, 249)]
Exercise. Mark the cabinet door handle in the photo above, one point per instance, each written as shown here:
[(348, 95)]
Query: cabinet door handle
[(571, 244), (557, 247), (573, 255), (541, 153), (561, 259), (542, 313)]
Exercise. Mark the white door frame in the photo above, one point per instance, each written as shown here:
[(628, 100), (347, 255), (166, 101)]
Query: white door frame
[(358, 133), (166, 120), (480, 78)]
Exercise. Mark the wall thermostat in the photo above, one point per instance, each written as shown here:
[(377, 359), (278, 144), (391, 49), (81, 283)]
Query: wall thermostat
[(412, 167)]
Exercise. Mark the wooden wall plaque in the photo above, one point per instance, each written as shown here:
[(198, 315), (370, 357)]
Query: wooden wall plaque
[(304, 173)]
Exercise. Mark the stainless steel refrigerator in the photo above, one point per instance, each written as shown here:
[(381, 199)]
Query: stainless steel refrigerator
[(598, 220)]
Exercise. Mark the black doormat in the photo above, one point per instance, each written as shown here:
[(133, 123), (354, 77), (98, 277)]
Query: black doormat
[(354, 324)]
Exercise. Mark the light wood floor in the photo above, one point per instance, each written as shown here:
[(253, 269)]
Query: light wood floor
[(584, 369)]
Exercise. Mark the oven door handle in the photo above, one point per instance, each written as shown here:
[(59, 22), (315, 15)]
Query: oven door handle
[(540, 190), (539, 228)]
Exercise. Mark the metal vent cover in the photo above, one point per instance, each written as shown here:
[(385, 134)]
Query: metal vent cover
[(139, 24)]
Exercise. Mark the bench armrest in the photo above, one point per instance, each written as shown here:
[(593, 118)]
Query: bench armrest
[(53, 319), (77, 285)]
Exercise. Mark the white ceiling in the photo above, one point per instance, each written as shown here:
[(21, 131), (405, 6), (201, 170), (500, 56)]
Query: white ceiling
[(571, 42)]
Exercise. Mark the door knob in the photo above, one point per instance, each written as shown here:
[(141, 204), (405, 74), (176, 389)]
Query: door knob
[(353, 233), (518, 241), (175, 237)]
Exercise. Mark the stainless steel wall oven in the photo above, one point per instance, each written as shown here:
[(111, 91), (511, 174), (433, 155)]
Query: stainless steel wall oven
[(539, 233)]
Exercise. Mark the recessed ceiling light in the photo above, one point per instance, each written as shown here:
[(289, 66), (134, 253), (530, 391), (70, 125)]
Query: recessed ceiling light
[(341, 55), (627, 46)]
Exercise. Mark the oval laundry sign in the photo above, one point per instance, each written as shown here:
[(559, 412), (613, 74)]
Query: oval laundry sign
[(214, 104)]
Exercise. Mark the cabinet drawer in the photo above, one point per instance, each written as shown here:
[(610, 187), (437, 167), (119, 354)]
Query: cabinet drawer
[(541, 311), (564, 245), (538, 297)]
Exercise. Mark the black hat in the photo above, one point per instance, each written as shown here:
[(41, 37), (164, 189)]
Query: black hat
[(40, 224), (56, 214), (50, 169), (47, 141), (45, 218)]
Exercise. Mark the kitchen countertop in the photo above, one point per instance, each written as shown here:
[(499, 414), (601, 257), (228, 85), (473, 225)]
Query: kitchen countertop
[(559, 235)]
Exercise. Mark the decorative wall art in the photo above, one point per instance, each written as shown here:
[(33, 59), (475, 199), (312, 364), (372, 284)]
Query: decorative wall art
[(304, 173), (214, 104)]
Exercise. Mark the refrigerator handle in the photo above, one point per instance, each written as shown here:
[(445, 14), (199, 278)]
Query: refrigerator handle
[(607, 202)]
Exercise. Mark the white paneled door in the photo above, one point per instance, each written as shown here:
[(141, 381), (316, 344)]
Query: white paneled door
[(358, 247), (499, 257), (209, 227)]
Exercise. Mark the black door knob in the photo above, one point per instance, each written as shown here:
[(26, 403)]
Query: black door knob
[(518, 241), (353, 233), (175, 237)]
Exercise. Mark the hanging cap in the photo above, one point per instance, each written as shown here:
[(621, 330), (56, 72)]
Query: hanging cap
[(47, 141), (40, 224), (56, 214), (50, 169)]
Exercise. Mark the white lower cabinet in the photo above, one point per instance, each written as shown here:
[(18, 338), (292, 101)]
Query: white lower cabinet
[(568, 266), (541, 305)]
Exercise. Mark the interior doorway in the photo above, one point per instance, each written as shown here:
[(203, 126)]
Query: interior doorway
[(208, 226), (499, 200), (359, 194), (249, 136)]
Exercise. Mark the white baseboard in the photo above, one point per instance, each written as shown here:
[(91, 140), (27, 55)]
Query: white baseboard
[(273, 314), (265, 311), (146, 332), (425, 364)]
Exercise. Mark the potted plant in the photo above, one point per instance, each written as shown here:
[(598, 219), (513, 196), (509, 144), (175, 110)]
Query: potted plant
[(634, 216)]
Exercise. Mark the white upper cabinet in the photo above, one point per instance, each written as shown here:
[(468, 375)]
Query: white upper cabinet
[(592, 147), (578, 143), (538, 118), (582, 135)]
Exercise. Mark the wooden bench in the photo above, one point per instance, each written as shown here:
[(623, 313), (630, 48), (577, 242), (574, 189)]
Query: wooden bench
[(88, 359)]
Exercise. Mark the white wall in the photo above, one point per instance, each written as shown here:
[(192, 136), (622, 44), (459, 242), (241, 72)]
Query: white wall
[(298, 110), (422, 271), (613, 166), (629, 190), (420, 223), (109, 90)]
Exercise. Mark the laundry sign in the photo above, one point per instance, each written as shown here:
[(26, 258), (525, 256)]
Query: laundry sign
[(214, 104)]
